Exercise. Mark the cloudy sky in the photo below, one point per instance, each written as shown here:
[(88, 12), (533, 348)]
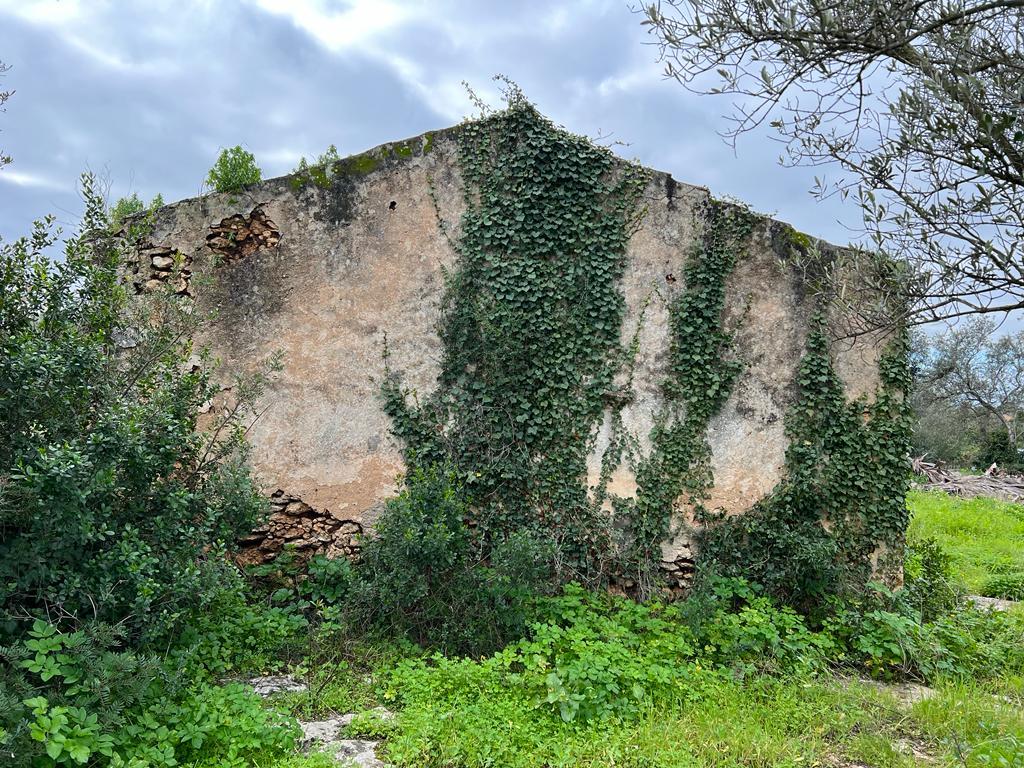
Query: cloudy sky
[(145, 93)]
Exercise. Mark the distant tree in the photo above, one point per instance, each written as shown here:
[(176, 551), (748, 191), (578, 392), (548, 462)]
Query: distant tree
[(977, 379), (918, 103), (4, 96), (235, 168)]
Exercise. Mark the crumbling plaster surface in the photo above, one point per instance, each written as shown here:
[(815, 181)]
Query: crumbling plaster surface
[(335, 268)]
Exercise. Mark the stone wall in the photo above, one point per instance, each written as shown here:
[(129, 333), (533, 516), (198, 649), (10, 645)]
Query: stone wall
[(322, 272)]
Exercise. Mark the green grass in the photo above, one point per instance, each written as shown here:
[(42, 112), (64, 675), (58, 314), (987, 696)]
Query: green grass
[(984, 537), (819, 721), (795, 723)]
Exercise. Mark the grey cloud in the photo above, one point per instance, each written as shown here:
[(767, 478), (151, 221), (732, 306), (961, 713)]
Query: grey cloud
[(185, 83)]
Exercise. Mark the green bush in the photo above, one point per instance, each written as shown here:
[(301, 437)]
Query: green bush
[(235, 634), (75, 699), (884, 635), (928, 578), (320, 171), (235, 169), (597, 657), (63, 693), (422, 575), (736, 625), (300, 584), (996, 448), (129, 206), (113, 506), (1009, 586)]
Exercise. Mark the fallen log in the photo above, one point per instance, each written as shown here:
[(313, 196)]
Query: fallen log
[(994, 483)]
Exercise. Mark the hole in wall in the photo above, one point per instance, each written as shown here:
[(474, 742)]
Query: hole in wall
[(392, 205)]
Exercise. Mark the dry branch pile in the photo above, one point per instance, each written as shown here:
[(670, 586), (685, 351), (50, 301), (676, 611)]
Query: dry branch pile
[(994, 483)]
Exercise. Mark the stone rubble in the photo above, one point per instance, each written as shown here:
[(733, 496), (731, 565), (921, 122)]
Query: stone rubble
[(679, 571), (992, 603), (328, 735), (154, 267), (306, 530), (357, 752), (271, 684), (238, 237)]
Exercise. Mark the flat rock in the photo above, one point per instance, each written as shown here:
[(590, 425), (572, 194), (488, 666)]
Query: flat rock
[(326, 735), (992, 603), (323, 732), (270, 684), (357, 752)]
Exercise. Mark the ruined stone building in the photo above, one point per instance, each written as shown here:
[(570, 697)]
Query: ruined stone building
[(328, 265)]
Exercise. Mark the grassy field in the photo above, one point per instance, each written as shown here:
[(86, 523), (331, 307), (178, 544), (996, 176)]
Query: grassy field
[(792, 722), (817, 720), (984, 537)]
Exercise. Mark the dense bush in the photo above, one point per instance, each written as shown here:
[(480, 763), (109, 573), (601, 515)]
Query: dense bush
[(883, 634), (928, 578), (590, 657), (113, 505), (1007, 586), (422, 575), (998, 449), (736, 625), (238, 633), (594, 657), (76, 698), (235, 169)]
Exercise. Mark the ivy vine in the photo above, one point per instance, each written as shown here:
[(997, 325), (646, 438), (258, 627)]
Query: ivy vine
[(839, 516), (701, 374), (530, 327)]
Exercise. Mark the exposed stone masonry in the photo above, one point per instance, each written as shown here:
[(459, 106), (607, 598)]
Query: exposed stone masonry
[(238, 237), (153, 267), (679, 572), (297, 525)]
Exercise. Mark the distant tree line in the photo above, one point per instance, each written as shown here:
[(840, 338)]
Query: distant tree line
[(969, 397)]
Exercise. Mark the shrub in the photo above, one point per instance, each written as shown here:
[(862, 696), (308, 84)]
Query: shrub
[(597, 657), (324, 159), (129, 206), (234, 634), (320, 171), (235, 169), (997, 448), (422, 575), (883, 634), (74, 698), (736, 625), (1009, 586), (113, 506), (928, 578), (970, 644), (63, 693), (300, 584)]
